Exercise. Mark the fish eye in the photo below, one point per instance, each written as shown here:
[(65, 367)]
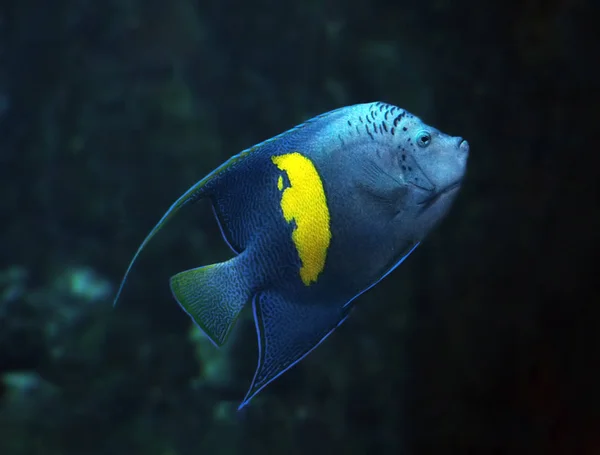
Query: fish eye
[(423, 139)]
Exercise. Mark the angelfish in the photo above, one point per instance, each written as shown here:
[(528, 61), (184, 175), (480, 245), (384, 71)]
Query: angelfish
[(315, 217)]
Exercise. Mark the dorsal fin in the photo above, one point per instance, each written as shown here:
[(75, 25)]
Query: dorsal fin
[(190, 195)]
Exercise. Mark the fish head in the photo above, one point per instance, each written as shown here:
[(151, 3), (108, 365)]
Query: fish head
[(427, 166), (434, 167), (431, 161)]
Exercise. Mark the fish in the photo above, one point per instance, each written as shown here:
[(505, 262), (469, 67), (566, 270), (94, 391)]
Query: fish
[(315, 217)]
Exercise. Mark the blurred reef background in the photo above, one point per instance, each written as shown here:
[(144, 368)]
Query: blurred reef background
[(484, 342)]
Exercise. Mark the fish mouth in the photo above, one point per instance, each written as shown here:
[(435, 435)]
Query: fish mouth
[(436, 195)]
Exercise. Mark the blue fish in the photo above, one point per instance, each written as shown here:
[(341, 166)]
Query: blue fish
[(315, 217)]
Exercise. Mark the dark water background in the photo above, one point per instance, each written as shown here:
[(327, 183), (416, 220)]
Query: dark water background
[(484, 342)]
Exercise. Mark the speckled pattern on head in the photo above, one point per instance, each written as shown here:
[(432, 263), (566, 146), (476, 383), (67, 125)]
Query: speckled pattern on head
[(315, 217), (371, 119)]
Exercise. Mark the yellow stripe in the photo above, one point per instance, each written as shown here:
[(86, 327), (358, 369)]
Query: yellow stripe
[(304, 202)]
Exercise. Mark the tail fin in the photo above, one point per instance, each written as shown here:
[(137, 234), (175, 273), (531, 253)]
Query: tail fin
[(213, 296)]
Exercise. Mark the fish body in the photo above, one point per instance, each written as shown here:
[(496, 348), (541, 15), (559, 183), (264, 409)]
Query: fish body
[(315, 217)]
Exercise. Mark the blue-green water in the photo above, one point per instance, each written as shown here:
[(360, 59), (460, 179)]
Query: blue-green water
[(483, 342)]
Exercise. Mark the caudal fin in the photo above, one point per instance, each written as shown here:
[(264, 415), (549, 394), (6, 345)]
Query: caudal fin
[(213, 296)]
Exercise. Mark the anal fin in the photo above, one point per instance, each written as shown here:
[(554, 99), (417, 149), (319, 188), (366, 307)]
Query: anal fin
[(287, 332)]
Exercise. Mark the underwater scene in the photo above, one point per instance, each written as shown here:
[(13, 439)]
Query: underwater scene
[(316, 227)]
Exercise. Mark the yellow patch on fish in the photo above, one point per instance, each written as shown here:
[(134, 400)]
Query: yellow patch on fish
[(304, 202)]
